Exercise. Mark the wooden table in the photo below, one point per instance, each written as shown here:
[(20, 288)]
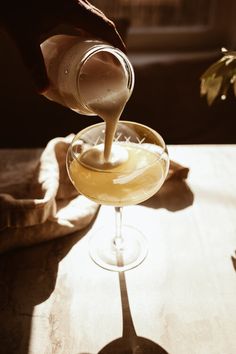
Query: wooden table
[(55, 300)]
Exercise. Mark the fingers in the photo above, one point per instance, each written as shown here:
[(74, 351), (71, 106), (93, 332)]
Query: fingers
[(94, 21), (27, 27)]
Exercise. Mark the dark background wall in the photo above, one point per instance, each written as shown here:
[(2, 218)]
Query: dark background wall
[(166, 96)]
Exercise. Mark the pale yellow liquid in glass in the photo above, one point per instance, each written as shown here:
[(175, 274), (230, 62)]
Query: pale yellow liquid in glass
[(130, 182)]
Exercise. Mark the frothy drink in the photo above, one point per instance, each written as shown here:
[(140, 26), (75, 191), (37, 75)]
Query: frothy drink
[(131, 181)]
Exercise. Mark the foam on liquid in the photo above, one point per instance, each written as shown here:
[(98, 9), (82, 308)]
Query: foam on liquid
[(94, 157)]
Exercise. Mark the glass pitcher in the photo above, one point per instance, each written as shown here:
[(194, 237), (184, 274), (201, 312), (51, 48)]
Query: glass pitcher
[(84, 72)]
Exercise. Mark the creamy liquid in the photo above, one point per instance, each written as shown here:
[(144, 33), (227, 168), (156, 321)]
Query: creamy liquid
[(103, 86), (94, 157), (131, 182)]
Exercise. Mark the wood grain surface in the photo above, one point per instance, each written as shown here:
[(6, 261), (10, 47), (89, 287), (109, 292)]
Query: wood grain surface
[(180, 300)]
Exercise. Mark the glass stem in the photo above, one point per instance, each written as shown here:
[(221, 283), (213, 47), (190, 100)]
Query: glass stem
[(118, 240)]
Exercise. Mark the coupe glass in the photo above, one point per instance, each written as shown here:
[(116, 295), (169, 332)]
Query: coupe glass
[(140, 176)]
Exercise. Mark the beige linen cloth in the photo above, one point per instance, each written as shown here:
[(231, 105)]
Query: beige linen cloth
[(37, 200)]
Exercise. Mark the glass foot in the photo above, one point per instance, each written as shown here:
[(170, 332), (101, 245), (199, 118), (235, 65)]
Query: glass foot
[(118, 254)]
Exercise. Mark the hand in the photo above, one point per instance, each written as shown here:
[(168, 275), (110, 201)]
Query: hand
[(28, 22)]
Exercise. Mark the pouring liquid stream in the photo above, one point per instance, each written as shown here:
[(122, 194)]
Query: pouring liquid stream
[(103, 86)]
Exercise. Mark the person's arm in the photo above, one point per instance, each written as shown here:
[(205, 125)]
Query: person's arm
[(27, 22)]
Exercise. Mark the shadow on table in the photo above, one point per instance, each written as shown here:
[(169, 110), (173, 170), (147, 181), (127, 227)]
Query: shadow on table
[(27, 278), (130, 342), (233, 259), (174, 195)]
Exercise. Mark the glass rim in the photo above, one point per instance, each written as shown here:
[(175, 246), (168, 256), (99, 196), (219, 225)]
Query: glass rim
[(158, 157)]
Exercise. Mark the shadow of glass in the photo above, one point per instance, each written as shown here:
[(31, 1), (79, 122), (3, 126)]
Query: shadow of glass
[(137, 345), (174, 195), (233, 259), (27, 278), (130, 342)]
